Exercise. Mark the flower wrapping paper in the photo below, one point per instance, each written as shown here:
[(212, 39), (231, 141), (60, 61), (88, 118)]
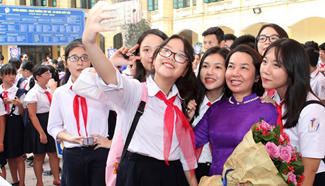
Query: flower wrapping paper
[(252, 166)]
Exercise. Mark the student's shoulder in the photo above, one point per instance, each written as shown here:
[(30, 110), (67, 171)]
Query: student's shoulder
[(266, 106), (314, 108), (61, 90)]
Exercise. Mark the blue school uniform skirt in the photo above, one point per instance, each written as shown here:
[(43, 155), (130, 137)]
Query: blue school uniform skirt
[(14, 136), (3, 158), (136, 170), (28, 134), (38, 147)]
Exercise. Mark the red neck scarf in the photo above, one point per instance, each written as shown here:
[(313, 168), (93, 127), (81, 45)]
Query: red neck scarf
[(184, 131), (209, 104), (5, 95), (279, 110), (84, 110), (49, 96)]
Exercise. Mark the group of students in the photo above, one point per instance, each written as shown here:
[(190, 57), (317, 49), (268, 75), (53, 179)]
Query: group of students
[(172, 127), (24, 106), (155, 145)]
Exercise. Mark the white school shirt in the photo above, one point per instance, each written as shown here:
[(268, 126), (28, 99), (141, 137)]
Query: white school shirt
[(317, 84), (11, 95), (124, 98), (18, 76), (61, 117), (308, 135), (206, 156), (37, 95), (25, 83)]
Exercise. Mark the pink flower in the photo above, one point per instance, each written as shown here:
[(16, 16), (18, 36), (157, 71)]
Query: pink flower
[(266, 126), (292, 177), (272, 149), (285, 153), (291, 147)]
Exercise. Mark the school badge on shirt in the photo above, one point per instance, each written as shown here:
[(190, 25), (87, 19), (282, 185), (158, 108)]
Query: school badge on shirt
[(313, 125)]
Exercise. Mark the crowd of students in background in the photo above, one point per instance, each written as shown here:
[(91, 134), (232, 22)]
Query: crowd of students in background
[(189, 103)]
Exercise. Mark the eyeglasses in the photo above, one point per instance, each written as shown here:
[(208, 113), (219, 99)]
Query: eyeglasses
[(272, 38), (75, 58), (179, 58), (47, 74)]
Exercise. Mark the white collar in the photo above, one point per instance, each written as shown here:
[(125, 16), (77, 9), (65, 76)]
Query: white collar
[(40, 89), (153, 89), (13, 88)]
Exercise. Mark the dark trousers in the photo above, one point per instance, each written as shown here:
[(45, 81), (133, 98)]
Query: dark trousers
[(203, 169), (319, 179), (84, 166), (138, 170)]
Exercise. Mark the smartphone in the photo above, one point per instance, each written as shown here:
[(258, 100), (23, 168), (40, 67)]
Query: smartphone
[(128, 12), (88, 141)]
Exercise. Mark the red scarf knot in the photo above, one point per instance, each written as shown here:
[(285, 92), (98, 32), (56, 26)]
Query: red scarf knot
[(5, 95), (183, 129)]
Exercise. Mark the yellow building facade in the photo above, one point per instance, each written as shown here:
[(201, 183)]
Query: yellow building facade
[(304, 20)]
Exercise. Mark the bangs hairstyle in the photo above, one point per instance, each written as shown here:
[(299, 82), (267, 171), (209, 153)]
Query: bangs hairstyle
[(186, 85), (27, 65), (257, 60), (291, 55), (281, 32), (38, 70), (140, 71), (8, 69), (223, 52), (73, 44)]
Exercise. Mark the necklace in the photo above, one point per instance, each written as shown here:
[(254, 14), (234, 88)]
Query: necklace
[(247, 101)]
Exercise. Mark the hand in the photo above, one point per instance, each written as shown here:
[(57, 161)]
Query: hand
[(43, 138), (76, 139), (16, 101), (52, 84), (102, 142), (191, 107), (267, 99), (7, 101), (99, 13), (118, 60)]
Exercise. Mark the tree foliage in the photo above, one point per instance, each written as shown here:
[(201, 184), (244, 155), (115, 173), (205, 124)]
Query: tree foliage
[(131, 32)]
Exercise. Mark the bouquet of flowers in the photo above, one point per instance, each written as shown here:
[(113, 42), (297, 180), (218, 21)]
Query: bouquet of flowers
[(264, 157), (277, 144)]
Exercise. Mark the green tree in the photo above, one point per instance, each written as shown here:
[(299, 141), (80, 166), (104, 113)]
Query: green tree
[(132, 32)]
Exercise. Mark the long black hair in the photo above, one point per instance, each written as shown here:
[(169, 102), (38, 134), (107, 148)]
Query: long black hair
[(291, 55), (140, 71), (257, 59), (38, 70), (187, 84), (55, 74), (73, 44), (223, 52), (27, 65)]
